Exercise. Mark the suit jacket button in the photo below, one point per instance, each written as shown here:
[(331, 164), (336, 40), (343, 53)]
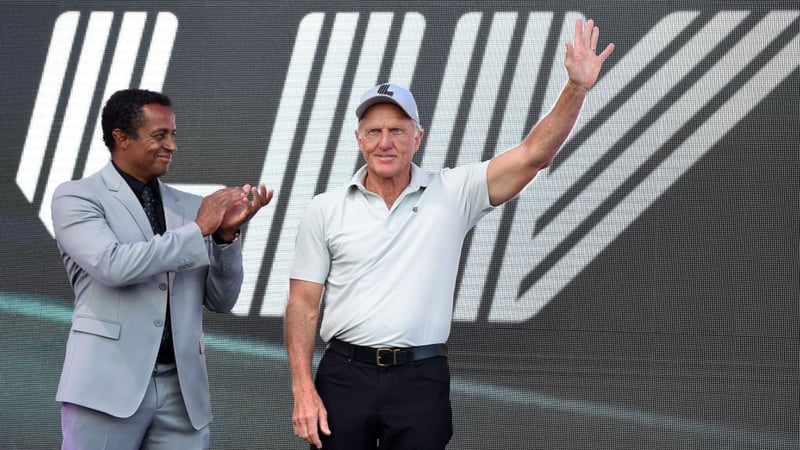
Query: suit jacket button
[(162, 286), (158, 322)]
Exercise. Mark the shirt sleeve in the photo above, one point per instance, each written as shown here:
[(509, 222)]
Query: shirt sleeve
[(312, 258), (470, 186)]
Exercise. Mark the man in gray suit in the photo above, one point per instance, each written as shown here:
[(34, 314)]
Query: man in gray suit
[(143, 259)]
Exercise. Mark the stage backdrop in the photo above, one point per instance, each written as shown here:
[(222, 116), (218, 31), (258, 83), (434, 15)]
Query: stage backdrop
[(641, 293)]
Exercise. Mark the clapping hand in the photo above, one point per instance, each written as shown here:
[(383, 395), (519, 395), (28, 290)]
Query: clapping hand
[(243, 210)]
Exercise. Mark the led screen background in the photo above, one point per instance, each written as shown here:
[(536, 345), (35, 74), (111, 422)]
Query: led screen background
[(641, 293)]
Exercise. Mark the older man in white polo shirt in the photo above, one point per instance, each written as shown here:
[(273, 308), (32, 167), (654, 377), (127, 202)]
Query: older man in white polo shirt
[(385, 249)]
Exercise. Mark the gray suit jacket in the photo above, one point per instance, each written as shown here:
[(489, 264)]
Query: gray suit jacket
[(122, 276)]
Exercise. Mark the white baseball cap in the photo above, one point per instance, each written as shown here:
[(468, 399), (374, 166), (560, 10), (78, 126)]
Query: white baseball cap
[(389, 93)]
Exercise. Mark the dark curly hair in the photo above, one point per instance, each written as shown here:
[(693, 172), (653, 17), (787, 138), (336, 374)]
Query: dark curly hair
[(123, 110)]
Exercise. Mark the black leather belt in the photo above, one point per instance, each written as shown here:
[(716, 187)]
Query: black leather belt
[(387, 356)]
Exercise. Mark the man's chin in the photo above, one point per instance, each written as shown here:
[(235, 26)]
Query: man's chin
[(386, 169)]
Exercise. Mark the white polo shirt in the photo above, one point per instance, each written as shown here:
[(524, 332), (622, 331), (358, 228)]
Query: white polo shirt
[(389, 274)]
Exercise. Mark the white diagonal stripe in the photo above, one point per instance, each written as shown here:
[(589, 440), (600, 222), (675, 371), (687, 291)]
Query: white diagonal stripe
[(484, 99), (512, 130), (405, 59), (455, 76), (155, 70), (671, 169), (44, 109), (372, 51), (160, 52), (315, 138), (369, 63), (80, 100), (119, 77), (287, 117), (546, 188)]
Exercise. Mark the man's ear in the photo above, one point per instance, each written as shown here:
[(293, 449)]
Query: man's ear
[(120, 138), (418, 138)]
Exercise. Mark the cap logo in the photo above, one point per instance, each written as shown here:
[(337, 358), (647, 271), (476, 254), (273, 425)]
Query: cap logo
[(384, 90)]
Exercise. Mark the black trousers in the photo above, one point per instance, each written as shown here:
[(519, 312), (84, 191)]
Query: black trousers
[(400, 407)]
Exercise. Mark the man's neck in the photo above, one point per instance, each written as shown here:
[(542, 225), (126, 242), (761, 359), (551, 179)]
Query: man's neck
[(389, 189)]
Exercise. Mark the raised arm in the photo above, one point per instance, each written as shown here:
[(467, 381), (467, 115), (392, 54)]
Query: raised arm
[(513, 169)]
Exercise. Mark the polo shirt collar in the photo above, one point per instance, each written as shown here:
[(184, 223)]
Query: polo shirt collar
[(419, 178)]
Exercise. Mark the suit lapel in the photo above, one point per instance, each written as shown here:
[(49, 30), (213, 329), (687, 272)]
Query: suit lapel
[(173, 210), (120, 190), (173, 216)]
